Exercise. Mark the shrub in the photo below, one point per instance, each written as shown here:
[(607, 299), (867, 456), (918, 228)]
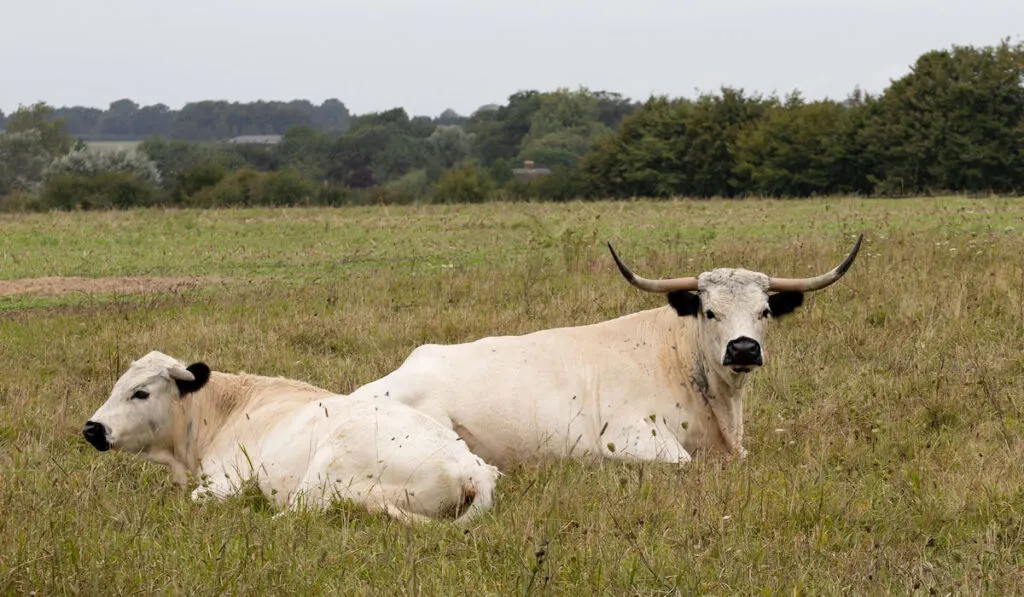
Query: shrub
[(410, 188), (284, 188), (99, 191), (197, 178), (563, 184), (335, 195), (91, 162), (465, 184), (247, 187), (19, 201)]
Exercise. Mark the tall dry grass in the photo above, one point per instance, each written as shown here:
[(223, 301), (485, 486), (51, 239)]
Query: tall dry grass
[(884, 432)]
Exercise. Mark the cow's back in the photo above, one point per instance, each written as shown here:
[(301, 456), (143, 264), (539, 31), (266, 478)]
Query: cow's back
[(541, 394)]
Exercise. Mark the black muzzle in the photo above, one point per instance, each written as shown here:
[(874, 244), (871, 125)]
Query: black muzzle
[(743, 353), (96, 434)]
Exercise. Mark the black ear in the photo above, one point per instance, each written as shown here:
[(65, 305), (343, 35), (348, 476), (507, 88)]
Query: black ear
[(686, 303), (202, 375), (785, 302)]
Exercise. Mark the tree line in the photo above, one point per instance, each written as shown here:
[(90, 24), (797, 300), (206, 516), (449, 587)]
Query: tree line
[(954, 123), (199, 121)]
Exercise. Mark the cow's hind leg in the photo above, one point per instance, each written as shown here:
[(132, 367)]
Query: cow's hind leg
[(643, 440)]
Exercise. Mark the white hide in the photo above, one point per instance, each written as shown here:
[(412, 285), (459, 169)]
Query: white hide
[(648, 386), (304, 445)]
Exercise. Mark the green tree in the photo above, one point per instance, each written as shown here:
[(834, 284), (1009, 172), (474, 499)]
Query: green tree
[(23, 158), (379, 148), (613, 107), (157, 119), (81, 121), (956, 122), (562, 129), (800, 149), (498, 133), (52, 131), (674, 147), (119, 120), (218, 120), (307, 151), (451, 144), (712, 128), (331, 117), (450, 117), (174, 158), (562, 148), (645, 156)]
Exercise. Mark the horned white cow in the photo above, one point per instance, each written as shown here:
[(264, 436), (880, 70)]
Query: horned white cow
[(304, 445), (655, 385)]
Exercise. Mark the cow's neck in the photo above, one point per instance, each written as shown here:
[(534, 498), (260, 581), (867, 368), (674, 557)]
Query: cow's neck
[(720, 392), (202, 416), (727, 405)]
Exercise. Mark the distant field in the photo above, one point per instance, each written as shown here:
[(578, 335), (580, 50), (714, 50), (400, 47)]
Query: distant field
[(112, 145), (884, 432)]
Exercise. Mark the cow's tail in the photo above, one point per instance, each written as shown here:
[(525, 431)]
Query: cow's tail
[(478, 485)]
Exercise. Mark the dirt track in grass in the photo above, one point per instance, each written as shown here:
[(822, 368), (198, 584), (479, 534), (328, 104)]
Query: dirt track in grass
[(60, 285)]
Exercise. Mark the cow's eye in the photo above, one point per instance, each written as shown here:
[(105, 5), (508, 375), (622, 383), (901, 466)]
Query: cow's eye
[(140, 395), (709, 314), (766, 314)]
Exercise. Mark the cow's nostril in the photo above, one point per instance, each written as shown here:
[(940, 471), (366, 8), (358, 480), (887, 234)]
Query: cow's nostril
[(96, 434)]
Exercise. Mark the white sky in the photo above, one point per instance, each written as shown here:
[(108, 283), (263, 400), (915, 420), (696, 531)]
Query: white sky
[(428, 56)]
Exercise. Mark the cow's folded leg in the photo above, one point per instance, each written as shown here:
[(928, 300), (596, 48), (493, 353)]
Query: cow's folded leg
[(215, 487), (644, 441)]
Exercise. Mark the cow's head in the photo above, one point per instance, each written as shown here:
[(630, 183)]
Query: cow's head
[(139, 414), (732, 307)]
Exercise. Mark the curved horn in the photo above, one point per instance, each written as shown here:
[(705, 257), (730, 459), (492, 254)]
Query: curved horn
[(652, 285), (817, 282)]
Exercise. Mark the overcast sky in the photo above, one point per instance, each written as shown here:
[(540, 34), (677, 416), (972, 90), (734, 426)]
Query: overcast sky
[(428, 56)]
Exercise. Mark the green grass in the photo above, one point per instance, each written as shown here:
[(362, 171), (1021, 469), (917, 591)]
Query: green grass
[(112, 145), (884, 432)]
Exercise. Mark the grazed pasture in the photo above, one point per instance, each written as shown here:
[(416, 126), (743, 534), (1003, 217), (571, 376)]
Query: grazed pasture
[(884, 432), (111, 145)]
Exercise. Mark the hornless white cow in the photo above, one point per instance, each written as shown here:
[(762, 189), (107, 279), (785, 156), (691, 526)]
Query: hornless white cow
[(304, 445), (655, 385)]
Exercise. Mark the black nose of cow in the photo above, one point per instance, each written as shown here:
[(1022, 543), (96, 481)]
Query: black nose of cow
[(96, 434), (743, 352)]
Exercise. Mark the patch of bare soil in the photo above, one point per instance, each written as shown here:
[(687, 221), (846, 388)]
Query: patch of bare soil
[(59, 285)]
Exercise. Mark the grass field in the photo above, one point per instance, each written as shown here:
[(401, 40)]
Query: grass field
[(112, 145), (884, 432)]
